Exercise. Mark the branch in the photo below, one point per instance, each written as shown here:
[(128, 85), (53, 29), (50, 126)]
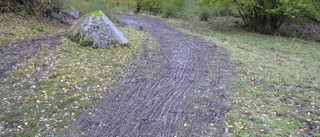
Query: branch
[(242, 16)]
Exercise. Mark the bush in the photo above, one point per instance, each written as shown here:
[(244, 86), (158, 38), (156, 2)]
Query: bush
[(313, 11), (40, 7), (170, 11), (266, 16), (175, 9), (186, 10), (204, 13)]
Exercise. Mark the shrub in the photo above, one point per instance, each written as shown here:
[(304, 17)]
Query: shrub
[(175, 9), (266, 16), (204, 13), (30, 6), (141, 27), (170, 11), (190, 12)]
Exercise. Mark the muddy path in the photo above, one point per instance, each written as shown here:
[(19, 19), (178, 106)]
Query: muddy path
[(176, 90), (15, 53)]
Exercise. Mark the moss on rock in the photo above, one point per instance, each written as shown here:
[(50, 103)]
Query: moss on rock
[(76, 26), (96, 13), (77, 37), (101, 31), (74, 38), (87, 43), (117, 44)]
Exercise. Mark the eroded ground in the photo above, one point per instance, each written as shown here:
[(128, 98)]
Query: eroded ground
[(177, 89)]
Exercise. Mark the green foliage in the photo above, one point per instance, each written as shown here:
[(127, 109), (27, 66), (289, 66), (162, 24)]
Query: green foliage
[(187, 10), (175, 9), (312, 10), (170, 11), (267, 16), (183, 9), (204, 13), (30, 6), (87, 43), (15, 8), (154, 6)]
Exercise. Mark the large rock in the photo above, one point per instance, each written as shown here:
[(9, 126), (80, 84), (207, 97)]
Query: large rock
[(68, 16), (96, 30)]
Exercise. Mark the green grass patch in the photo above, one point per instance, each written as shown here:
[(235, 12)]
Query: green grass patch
[(15, 27), (277, 80), (92, 7), (46, 93)]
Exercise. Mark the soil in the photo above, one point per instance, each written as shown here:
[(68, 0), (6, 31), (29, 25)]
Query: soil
[(15, 53), (177, 89)]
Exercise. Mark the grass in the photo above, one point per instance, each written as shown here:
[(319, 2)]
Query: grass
[(276, 91), (89, 6), (86, 6), (277, 80), (47, 92), (14, 28)]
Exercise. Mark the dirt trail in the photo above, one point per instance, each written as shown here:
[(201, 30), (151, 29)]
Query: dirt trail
[(177, 91), (18, 52)]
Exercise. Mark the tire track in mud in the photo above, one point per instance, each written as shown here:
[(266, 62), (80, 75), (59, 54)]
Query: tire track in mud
[(175, 92)]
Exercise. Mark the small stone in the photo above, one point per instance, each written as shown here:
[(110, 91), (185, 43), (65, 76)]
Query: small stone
[(67, 16), (2, 125)]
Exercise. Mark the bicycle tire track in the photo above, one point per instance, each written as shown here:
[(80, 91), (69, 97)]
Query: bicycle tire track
[(160, 91)]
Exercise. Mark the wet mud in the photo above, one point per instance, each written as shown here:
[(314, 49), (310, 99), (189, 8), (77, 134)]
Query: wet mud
[(177, 89)]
